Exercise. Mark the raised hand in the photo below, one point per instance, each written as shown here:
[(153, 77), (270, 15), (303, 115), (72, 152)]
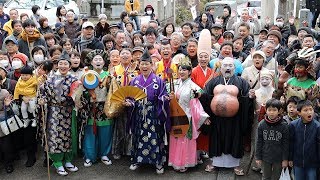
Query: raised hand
[(8, 100)]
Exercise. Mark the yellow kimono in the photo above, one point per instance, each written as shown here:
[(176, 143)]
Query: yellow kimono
[(120, 74), (161, 71)]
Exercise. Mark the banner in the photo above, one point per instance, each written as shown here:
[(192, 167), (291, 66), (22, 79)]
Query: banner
[(193, 12)]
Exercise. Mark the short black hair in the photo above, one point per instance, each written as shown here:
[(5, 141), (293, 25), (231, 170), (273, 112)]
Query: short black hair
[(164, 32), (55, 48), (151, 30), (47, 65), (245, 24), (304, 103), (27, 23), (301, 61), (308, 35), (237, 38), (227, 43), (14, 22), (293, 99), (186, 67), (35, 8), (37, 48), (275, 103), (187, 24)]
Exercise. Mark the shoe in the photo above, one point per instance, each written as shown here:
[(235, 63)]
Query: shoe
[(204, 155), (200, 161), (9, 169), (159, 169), (183, 170), (106, 160), (26, 122), (61, 171), (34, 123), (117, 156), (133, 167), (87, 163), (70, 167), (30, 162)]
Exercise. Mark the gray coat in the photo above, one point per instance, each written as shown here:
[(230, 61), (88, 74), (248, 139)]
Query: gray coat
[(26, 49)]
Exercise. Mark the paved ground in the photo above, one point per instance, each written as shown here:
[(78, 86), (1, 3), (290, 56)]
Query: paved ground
[(120, 170)]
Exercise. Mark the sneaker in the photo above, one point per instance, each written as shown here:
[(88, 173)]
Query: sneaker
[(26, 122), (87, 163), (34, 123), (117, 156), (106, 160), (133, 167), (61, 171), (70, 167), (159, 169)]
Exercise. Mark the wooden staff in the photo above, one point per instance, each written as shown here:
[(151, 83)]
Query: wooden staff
[(45, 139)]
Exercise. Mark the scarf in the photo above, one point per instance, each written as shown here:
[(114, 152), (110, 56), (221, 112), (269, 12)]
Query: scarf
[(16, 34), (268, 59), (30, 38), (84, 43), (272, 121)]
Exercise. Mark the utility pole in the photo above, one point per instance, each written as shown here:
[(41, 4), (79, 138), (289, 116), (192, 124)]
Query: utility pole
[(102, 7)]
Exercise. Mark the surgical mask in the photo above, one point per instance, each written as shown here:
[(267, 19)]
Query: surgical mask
[(279, 24), (4, 63), (16, 64), (38, 58), (149, 12)]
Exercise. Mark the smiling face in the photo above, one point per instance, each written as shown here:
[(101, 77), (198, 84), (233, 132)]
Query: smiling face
[(238, 45), (67, 46), (145, 68), (192, 49), (88, 32), (243, 31), (268, 49), (166, 52), (97, 62), (63, 67), (306, 113), (184, 73), (115, 58), (226, 51), (75, 61), (125, 57), (169, 29), (186, 31), (265, 81), (151, 38), (308, 42), (120, 37), (204, 18), (175, 41), (29, 29), (203, 59)]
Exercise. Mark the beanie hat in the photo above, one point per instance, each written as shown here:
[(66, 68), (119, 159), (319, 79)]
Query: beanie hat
[(102, 16), (58, 26), (266, 73), (275, 33), (204, 44), (23, 58), (26, 70), (261, 53)]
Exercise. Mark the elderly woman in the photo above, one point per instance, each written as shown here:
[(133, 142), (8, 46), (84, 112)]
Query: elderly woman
[(148, 118)]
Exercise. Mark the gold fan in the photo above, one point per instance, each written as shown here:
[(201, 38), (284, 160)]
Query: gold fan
[(128, 91)]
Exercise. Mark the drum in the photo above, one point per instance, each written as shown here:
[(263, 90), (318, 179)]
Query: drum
[(90, 79)]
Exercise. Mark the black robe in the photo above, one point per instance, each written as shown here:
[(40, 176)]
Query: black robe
[(226, 134)]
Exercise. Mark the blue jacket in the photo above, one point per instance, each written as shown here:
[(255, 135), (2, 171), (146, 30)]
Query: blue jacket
[(3, 19), (304, 148)]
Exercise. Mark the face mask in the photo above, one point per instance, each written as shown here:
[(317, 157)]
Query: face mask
[(279, 24), (4, 63), (38, 58), (149, 12), (16, 64)]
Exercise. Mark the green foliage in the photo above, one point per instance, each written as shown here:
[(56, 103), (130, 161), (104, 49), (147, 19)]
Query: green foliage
[(202, 4), (183, 14)]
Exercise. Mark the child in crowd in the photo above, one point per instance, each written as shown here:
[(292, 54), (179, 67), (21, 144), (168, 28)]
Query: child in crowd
[(304, 154), (26, 89), (292, 113), (272, 145)]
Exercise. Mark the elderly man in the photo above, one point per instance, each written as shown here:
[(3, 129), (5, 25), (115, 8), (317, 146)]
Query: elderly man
[(71, 26), (280, 52), (175, 42), (254, 27), (87, 39), (13, 13), (226, 100), (192, 49), (119, 40), (270, 62)]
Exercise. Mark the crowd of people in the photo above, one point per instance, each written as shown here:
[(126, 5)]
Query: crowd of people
[(238, 94)]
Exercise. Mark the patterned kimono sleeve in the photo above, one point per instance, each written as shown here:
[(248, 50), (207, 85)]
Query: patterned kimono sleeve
[(313, 92), (44, 92), (163, 105)]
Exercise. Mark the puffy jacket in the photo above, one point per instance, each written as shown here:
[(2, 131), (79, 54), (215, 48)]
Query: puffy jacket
[(304, 148)]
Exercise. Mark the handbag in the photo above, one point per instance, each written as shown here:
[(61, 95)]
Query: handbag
[(113, 109), (285, 174), (11, 124)]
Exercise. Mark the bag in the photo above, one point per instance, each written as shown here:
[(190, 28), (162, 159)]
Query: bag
[(11, 124), (112, 109), (285, 174)]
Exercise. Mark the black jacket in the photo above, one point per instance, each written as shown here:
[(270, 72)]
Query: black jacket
[(272, 145), (101, 31), (248, 43), (305, 143), (95, 44), (281, 55)]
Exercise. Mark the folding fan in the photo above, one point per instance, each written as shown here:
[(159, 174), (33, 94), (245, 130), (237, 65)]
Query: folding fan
[(128, 91)]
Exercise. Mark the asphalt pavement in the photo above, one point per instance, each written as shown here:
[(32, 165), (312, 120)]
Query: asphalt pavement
[(120, 170)]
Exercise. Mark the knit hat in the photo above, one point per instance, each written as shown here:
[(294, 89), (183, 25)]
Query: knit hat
[(146, 56), (58, 26), (204, 44), (23, 58), (138, 48), (95, 52), (275, 33), (102, 16), (261, 53), (26, 70), (266, 73)]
